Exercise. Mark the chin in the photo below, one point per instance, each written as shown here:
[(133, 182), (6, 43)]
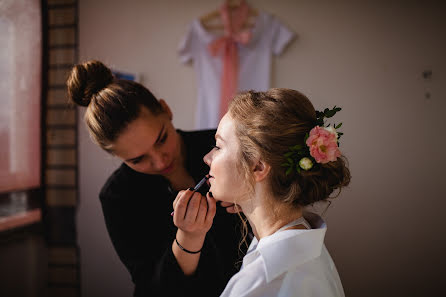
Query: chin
[(220, 198)]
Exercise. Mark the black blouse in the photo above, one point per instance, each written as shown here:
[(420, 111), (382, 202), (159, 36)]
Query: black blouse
[(137, 209)]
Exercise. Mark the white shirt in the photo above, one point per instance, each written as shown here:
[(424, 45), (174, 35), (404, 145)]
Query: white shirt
[(269, 36), (288, 263)]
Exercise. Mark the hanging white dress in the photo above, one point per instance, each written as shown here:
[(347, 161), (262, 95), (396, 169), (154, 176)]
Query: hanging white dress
[(269, 37)]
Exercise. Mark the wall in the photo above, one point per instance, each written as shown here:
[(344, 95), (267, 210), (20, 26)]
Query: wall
[(365, 56), (24, 263)]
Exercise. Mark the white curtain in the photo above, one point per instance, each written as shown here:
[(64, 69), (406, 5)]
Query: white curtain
[(20, 93)]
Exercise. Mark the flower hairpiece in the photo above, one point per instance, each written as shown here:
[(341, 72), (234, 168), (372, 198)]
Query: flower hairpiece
[(321, 144)]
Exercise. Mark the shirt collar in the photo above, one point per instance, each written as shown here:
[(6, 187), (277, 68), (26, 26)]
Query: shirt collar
[(289, 248)]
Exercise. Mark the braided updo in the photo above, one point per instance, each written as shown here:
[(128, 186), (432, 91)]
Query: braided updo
[(267, 125)]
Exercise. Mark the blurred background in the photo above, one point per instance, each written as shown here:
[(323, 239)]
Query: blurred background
[(383, 62)]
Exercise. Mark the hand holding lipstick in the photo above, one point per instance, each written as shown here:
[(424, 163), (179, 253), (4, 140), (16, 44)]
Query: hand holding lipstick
[(197, 187), (193, 215)]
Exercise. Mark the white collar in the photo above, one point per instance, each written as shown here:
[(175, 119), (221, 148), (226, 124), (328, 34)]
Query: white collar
[(288, 248)]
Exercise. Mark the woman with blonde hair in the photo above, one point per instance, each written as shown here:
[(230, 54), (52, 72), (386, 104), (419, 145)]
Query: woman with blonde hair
[(274, 155)]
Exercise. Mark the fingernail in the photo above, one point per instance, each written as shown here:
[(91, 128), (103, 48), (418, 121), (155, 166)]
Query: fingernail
[(191, 189), (210, 194)]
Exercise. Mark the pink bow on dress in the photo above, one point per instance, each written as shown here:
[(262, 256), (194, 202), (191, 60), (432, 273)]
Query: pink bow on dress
[(226, 47)]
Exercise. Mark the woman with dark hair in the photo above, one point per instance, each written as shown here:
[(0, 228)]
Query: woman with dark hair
[(195, 255), (274, 155)]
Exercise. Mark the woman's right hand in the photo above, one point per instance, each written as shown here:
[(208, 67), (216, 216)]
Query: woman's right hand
[(193, 215)]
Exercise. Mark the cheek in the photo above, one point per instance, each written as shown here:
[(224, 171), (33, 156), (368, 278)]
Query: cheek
[(143, 167), (172, 146), (227, 177), (225, 163)]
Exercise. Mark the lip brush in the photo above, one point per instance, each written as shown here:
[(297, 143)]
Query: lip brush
[(198, 186)]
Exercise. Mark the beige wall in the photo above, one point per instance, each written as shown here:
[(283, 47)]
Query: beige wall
[(385, 232)]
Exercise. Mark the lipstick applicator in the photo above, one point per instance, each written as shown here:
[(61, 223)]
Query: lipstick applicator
[(198, 186)]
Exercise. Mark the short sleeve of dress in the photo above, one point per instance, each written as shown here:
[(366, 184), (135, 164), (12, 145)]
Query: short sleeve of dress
[(185, 48), (281, 36)]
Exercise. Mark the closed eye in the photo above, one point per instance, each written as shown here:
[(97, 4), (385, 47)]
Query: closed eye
[(136, 160), (164, 138)]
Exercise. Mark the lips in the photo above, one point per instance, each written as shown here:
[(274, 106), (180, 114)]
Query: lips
[(208, 181), (168, 169)]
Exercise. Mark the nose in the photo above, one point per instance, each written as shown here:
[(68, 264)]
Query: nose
[(208, 158), (159, 161)]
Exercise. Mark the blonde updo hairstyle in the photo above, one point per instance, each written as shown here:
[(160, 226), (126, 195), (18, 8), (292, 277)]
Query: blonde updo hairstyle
[(267, 125), (111, 103)]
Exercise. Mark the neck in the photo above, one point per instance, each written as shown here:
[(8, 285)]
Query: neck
[(265, 215)]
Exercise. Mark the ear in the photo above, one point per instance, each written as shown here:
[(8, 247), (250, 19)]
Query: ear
[(166, 108), (261, 171)]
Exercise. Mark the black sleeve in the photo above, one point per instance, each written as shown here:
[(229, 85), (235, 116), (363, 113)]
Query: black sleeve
[(142, 235), (140, 249)]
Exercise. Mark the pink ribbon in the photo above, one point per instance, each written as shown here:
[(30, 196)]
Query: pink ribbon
[(226, 47)]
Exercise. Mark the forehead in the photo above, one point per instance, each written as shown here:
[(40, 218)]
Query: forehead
[(226, 129), (140, 135)]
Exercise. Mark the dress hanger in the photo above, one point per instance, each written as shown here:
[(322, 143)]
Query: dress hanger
[(212, 20)]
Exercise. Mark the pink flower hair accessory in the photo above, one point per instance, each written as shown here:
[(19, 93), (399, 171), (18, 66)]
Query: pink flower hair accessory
[(321, 145)]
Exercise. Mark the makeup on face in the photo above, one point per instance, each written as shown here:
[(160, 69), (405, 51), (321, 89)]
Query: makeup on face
[(199, 185)]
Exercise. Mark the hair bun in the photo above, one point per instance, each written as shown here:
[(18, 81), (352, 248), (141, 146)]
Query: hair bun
[(86, 80)]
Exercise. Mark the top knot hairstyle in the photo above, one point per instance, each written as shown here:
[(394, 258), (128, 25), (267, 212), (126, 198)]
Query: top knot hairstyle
[(86, 80), (267, 125), (111, 103)]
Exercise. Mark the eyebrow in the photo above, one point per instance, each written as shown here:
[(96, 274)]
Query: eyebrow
[(157, 140), (159, 135)]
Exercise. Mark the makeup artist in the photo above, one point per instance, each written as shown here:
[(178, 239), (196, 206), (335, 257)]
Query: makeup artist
[(191, 253)]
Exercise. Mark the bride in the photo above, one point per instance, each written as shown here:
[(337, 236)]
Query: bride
[(274, 155)]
